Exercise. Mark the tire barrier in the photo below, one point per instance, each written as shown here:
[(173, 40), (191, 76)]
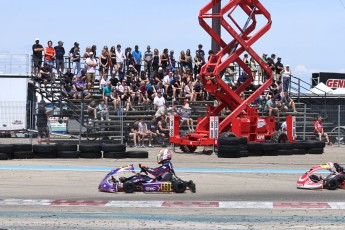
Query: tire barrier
[(137, 154), (44, 151), (6, 152)]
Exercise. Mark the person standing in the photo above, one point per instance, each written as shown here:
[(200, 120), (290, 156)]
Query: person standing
[(137, 56), (148, 58), (42, 122), (60, 52), (91, 63), (286, 75), (279, 67), (37, 56), (49, 54)]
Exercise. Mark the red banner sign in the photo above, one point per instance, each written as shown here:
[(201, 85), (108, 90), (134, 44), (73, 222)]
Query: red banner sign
[(335, 83)]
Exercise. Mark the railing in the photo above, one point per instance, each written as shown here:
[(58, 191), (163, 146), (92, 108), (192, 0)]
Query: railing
[(15, 64)]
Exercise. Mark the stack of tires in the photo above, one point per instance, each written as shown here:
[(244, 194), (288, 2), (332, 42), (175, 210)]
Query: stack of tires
[(67, 150), (90, 151), (22, 151), (44, 151), (6, 152), (114, 151), (232, 147), (314, 147), (137, 154)]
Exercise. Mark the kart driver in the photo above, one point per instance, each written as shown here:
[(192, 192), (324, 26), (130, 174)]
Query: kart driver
[(340, 172), (165, 171)]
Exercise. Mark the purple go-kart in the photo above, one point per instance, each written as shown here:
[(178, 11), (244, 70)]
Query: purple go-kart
[(142, 182)]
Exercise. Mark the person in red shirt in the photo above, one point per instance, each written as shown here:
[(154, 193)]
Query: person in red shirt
[(318, 129)]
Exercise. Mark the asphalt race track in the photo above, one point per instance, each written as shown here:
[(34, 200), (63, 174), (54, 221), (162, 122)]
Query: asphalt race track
[(243, 193)]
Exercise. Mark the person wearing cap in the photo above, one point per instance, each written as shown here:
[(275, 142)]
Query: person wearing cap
[(279, 67), (42, 122), (49, 54), (60, 52), (75, 45), (37, 56), (91, 64), (318, 130), (159, 103), (228, 79), (286, 76)]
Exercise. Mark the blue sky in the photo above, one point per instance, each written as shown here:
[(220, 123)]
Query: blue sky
[(307, 34)]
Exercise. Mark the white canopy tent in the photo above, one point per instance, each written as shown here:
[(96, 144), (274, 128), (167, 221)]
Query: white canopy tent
[(320, 89)]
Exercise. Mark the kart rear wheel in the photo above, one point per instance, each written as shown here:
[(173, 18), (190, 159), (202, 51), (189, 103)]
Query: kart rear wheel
[(179, 186), (128, 187), (332, 184)]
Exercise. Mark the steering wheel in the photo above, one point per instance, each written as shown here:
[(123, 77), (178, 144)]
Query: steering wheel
[(142, 169)]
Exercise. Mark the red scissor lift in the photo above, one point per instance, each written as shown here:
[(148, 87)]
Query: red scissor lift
[(243, 121)]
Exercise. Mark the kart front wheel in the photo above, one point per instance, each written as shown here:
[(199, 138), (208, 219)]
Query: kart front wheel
[(128, 187), (179, 186), (332, 184)]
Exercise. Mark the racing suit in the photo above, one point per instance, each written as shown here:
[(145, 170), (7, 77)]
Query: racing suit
[(340, 173), (163, 172)]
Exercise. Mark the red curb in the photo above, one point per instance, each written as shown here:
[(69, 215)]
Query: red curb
[(79, 202), (300, 205), (191, 204)]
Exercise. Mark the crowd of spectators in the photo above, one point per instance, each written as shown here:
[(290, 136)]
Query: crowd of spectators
[(131, 77)]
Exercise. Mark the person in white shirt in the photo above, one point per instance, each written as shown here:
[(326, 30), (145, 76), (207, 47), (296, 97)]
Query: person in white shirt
[(159, 102), (91, 64), (120, 59)]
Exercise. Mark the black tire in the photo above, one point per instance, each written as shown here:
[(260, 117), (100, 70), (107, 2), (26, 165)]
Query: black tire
[(38, 149), (316, 151), (45, 155), (332, 184), (4, 156), (179, 186), (316, 144), (226, 148), (4, 148), (279, 137), (298, 151), (227, 134), (66, 147), (256, 152), (254, 146), (90, 148), (137, 154), (191, 149), (128, 187), (243, 140), (284, 152), (270, 152), (22, 147), (92, 134), (68, 154), (91, 155), (228, 141), (299, 145), (184, 148), (23, 155), (114, 147), (115, 155), (244, 153), (270, 146)]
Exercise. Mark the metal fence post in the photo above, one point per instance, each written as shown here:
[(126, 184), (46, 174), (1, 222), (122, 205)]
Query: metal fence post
[(81, 120), (304, 121), (121, 121)]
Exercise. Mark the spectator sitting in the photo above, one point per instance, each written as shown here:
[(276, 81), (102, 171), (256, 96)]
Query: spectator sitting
[(92, 109), (104, 82), (162, 126), (198, 92), (185, 117), (143, 96), (132, 132), (134, 90), (159, 103), (228, 79), (126, 99), (151, 89), (103, 112), (106, 93), (156, 135), (67, 84), (159, 75), (288, 102), (115, 99), (188, 91), (80, 88), (144, 132), (120, 88), (167, 82), (46, 75), (176, 84), (318, 129), (113, 80), (271, 106), (243, 78)]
